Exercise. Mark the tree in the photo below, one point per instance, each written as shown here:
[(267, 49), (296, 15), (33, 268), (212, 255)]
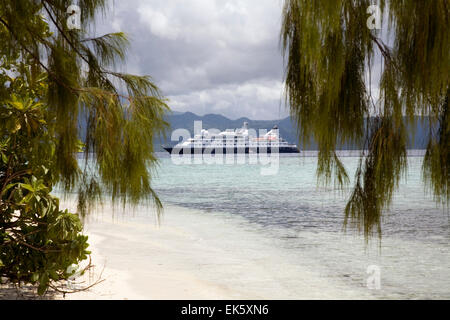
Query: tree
[(61, 95), (38, 240), (329, 52)]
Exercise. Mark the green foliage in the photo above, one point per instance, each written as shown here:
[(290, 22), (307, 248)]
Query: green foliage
[(123, 112), (59, 96), (329, 52), (38, 241), (436, 165)]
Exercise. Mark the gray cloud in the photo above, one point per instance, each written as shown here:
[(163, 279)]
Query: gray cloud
[(208, 56)]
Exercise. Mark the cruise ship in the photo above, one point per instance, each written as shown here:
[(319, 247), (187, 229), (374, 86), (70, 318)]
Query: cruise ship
[(234, 141)]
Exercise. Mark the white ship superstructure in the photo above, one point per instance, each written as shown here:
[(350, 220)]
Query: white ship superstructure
[(234, 141)]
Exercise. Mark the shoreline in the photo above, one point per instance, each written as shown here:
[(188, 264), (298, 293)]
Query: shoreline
[(127, 279), (189, 257), (206, 255)]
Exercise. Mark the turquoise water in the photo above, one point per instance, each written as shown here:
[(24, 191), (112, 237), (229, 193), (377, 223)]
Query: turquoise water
[(305, 221)]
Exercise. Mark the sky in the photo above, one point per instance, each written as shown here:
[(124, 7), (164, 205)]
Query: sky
[(207, 56)]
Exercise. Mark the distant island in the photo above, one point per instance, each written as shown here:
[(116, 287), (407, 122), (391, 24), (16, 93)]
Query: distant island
[(287, 129)]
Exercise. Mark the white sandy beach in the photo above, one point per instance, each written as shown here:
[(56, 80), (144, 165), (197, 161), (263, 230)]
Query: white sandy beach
[(143, 261), (196, 254), (192, 255)]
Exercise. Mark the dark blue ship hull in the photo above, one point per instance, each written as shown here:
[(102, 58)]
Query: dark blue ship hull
[(192, 150)]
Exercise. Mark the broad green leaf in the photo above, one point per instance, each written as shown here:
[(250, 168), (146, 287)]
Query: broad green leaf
[(4, 158), (42, 288), (9, 186), (27, 187), (35, 277)]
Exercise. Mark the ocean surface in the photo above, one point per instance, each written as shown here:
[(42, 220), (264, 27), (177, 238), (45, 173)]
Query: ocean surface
[(303, 223)]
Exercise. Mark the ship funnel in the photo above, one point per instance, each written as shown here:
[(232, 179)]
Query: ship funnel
[(245, 125)]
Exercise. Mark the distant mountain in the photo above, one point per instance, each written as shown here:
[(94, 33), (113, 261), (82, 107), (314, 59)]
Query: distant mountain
[(286, 127)]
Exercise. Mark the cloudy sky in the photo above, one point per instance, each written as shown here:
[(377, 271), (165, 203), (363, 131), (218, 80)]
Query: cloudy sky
[(207, 56)]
